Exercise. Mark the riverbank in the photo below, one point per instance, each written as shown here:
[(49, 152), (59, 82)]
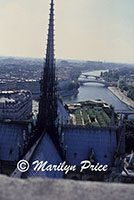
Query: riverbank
[(69, 93), (63, 93), (122, 97)]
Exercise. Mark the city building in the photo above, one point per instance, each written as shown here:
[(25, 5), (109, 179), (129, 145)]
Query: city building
[(32, 85), (15, 105)]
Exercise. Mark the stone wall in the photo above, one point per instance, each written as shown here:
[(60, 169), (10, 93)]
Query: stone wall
[(52, 189)]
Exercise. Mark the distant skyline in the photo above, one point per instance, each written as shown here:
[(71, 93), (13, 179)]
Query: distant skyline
[(100, 30)]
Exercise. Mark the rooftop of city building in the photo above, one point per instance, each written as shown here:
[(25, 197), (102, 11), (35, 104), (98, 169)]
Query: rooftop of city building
[(92, 113), (14, 96)]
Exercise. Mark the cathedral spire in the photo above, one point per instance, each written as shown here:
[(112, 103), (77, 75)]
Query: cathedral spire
[(48, 99)]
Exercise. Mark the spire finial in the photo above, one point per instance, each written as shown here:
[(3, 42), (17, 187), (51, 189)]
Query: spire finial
[(50, 41)]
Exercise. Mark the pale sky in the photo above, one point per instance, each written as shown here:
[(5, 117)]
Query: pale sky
[(85, 29)]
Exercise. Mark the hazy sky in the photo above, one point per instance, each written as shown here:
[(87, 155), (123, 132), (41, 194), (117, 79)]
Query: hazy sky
[(85, 29)]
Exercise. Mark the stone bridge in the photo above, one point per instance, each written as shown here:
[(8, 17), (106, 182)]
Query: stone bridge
[(125, 112), (107, 84), (88, 75)]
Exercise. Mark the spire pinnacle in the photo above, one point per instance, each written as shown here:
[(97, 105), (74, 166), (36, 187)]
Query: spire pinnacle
[(50, 40)]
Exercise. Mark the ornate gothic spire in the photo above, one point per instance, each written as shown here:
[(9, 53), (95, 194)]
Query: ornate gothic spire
[(48, 99)]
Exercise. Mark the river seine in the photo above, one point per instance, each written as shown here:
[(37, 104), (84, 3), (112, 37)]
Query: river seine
[(97, 91)]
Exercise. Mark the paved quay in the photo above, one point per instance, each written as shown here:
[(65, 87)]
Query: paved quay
[(121, 96)]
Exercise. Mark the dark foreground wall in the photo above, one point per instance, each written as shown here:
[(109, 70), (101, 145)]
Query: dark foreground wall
[(52, 189)]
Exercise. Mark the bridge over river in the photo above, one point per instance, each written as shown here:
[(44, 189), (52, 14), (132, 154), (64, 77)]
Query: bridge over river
[(95, 79), (89, 75), (107, 84), (125, 112)]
